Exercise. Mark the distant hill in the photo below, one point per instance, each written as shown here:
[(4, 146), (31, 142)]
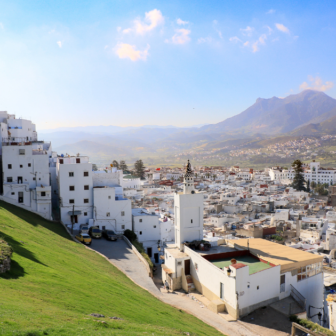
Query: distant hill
[(277, 115), (326, 127)]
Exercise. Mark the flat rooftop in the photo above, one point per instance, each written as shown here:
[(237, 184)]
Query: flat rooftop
[(288, 258), (253, 263)]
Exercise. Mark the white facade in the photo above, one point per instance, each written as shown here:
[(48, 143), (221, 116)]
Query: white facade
[(146, 225), (74, 175), (26, 179), (111, 211)]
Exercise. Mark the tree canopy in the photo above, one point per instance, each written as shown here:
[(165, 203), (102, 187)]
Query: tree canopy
[(298, 181), (139, 169)]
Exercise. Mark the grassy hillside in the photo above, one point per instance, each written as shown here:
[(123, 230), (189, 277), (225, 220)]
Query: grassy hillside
[(55, 283)]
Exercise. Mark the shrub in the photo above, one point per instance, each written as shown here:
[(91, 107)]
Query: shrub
[(311, 325), (130, 235), (5, 251)]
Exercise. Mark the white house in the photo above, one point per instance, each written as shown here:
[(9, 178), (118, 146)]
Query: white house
[(74, 176), (26, 180), (147, 228), (111, 211)]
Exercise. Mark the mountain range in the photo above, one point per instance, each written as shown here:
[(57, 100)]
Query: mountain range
[(305, 114)]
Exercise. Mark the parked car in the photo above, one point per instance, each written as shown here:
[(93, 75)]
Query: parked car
[(84, 238), (84, 228), (94, 232), (110, 235)]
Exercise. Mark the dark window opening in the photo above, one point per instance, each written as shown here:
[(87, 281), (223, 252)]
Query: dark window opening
[(43, 193), (72, 201), (86, 173), (71, 188), (86, 200), (86, 187), (9, 166)]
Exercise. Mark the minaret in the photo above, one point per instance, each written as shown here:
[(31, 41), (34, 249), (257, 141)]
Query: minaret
[(188, 184), (188, 210)]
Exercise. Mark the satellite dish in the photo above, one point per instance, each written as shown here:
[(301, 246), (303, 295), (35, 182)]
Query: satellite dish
[(193, 191)]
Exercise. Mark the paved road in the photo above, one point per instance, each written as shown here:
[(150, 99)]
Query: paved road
[(120, 255)]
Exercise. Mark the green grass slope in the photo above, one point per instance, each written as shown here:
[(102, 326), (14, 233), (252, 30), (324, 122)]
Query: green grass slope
[(55, 283)]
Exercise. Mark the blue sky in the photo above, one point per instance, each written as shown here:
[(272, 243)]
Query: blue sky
[(80, 63)]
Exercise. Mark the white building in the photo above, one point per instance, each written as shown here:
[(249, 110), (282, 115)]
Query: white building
[(111, 211), (26, 179), (146, 225), (74, 176)]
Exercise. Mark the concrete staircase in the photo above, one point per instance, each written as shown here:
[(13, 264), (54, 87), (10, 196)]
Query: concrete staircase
[(191, 286)]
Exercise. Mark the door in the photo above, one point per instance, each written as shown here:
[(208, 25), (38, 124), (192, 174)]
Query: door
[(149, 252), (20, 196), (187, 267), (156, 258), (19, 179), (282, 283), (221, 290), (74, 219)]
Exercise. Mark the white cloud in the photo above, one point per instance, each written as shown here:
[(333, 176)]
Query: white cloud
[(152, 19), (248, 31), (59, 43), (216, 29), (270, 30), (204, 40), (261, 41), (282, 28), (316, 84), (181, 22), (181, 36), (235, 39), (271, 11), (124, 50)]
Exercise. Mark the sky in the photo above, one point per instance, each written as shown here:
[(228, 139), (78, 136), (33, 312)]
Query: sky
[(130, 63)]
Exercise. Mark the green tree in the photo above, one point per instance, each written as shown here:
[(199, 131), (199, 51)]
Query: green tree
[(115, 164), (320, 189), (313, 184), (298, 181), (94, 167), (139, 169), (308, 185), (123, 165)]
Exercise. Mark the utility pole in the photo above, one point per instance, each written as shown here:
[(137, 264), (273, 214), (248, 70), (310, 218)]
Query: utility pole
[(72, 218)]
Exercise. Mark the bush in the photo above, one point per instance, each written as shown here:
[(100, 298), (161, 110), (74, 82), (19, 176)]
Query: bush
[(130, 235), (5, 251), (138, 246), (311, 325)]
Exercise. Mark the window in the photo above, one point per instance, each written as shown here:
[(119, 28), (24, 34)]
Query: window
[(85, 213), (123, 227), (258, 287), (86, 173), (154, 226), (191, 221), (72, 201), (61, 161), (107, 214), (71, 174), (34, 178), (71, 188), (109, 197), (196, 266), (22, 151), (140, 220), (13, 193), (29, 164), (122, 213), (77, 160), (9, 179), (86, 187), (140, 233), (54, 191), (86, 200), (43, 193), (9, 166), (21, 166)]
